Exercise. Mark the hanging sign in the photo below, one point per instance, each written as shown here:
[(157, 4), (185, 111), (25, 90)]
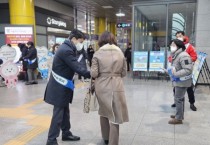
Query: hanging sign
[(124, 25)]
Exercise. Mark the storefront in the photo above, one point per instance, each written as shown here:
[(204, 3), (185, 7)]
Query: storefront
[(51, 27), (155, 24)]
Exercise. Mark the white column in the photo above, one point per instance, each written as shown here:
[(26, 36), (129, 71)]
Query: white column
[(203, 27)]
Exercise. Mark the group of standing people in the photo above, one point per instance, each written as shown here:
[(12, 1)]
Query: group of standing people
[(108, 66), (30, 62)]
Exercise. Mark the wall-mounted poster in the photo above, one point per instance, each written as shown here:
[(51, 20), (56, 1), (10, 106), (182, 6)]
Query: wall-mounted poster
[(156, 60), (18, 34), (140, 61)]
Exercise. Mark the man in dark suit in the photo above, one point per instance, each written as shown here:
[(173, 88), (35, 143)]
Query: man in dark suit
[(59, 90)]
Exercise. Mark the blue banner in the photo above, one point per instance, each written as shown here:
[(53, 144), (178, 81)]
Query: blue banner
[(157, 60), (198, 66), (140, 61)]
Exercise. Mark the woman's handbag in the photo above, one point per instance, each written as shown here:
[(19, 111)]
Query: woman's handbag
[(90, 101)]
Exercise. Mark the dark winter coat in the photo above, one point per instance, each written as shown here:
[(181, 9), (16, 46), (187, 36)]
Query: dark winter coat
[(65, 64), (84, 58), (24, 51), (128, 54), (31, 55), (90, 52)]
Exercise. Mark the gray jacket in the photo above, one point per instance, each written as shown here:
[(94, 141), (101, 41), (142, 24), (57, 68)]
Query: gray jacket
[(183, 64)]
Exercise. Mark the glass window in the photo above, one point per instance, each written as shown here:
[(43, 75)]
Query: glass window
[(150, 27), (155, 24), (182, 18)]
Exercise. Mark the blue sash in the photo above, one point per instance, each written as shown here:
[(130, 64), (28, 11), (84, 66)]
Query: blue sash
[(63, 81), (176, 79), (30, 61)]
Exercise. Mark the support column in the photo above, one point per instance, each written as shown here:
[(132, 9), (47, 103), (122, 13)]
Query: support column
[(109, 26), (113, 28), (22, 13), (96, 26), (102, 25)]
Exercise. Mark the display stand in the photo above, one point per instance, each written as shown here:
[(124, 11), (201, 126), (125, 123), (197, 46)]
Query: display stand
[(205, 74)]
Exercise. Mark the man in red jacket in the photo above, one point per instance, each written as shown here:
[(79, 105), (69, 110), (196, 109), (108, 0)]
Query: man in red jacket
[(191, 51)]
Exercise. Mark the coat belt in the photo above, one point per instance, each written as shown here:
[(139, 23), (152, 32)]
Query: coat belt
[(110, 75)]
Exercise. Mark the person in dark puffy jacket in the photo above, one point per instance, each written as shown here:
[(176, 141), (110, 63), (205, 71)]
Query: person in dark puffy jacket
[(82, 58), (90, 52), (128, 54), (24, 52), (31, 58)]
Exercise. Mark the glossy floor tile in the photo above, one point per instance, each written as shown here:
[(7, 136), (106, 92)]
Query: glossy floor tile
[(25, 117)]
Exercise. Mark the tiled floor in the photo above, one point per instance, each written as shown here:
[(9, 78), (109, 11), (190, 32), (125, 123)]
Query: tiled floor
[(25, 118)]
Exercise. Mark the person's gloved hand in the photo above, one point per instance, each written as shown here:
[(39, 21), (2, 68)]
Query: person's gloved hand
[(170, 72)]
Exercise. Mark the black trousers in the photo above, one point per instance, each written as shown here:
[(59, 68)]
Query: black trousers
[(190, 94), (128, 64), (90, 62), (60, 120)]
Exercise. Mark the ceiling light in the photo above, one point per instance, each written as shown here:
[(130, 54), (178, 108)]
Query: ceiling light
[(120, 14), (107, 7)]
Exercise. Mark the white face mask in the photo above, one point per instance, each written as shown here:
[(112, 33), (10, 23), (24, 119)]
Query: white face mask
[(173, 49), (79, 46), (180, 38)]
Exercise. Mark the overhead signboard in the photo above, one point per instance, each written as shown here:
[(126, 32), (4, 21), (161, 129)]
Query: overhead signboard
[(53, 21), (124, 25), (18, 34)]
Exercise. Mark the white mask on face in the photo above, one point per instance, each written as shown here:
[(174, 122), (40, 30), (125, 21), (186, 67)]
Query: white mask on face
[(173, 49), (79, 46), (180, 38)]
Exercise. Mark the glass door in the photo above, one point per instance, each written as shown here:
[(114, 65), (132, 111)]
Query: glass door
[(182, 18), (150, 27)]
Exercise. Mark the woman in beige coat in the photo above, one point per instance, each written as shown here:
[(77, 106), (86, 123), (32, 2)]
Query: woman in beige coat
[(108, 68)]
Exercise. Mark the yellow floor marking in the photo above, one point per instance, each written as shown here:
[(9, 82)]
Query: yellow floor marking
[(40, 123), (27, 136), (31, 104)]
